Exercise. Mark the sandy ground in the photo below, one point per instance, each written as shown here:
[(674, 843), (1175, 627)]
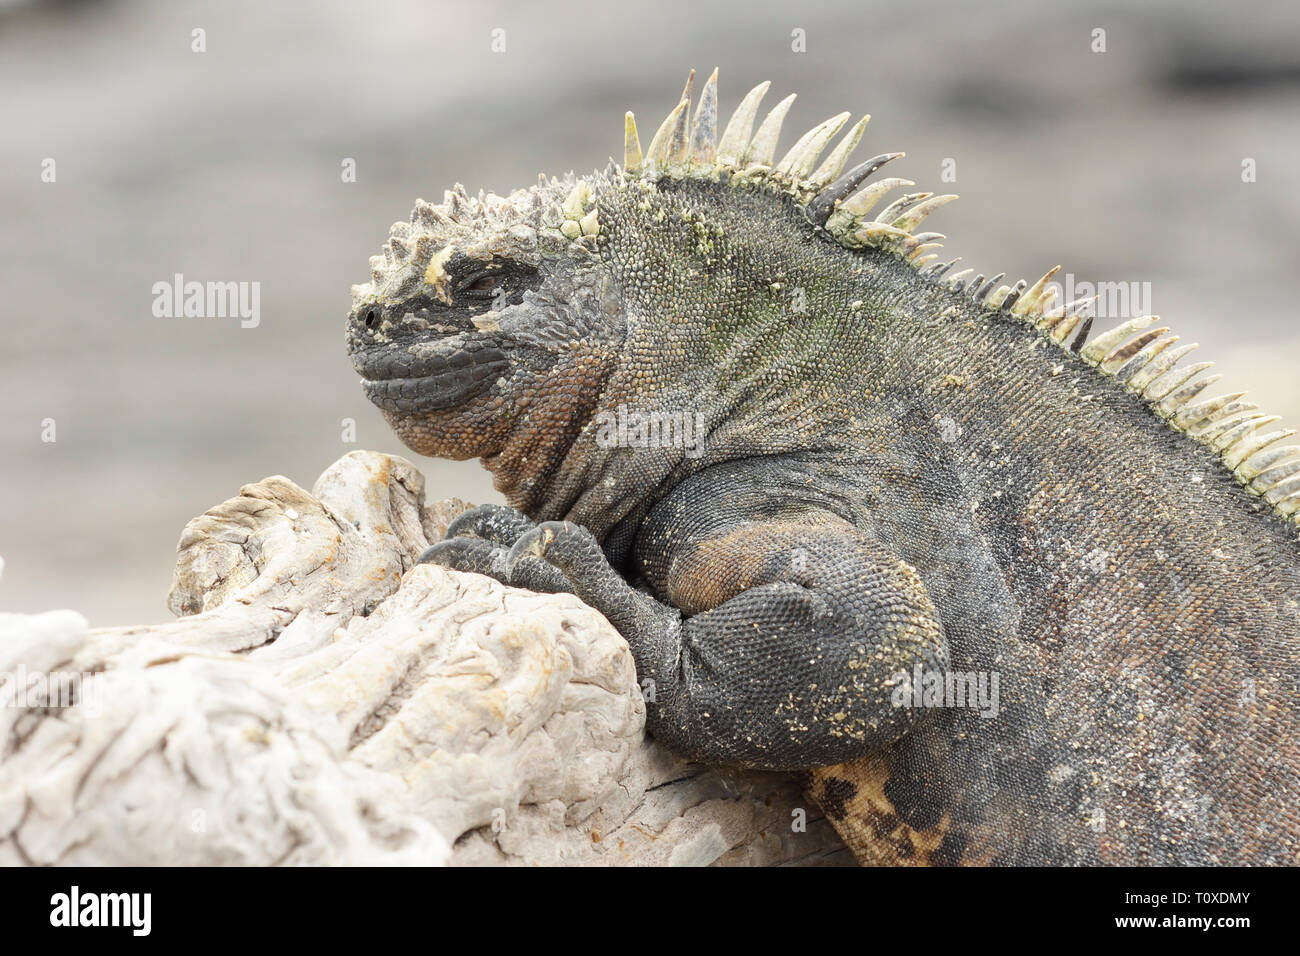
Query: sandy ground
[(225, 165)]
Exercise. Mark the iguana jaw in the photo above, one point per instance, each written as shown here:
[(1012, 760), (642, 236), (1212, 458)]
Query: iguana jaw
[(495, 384), (430, 376)]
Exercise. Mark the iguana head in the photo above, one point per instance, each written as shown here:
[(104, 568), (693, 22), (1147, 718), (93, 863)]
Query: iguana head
[(480, 311)]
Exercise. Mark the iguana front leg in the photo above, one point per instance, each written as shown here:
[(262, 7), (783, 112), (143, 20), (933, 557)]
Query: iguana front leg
[(784, 640), (798, 628)]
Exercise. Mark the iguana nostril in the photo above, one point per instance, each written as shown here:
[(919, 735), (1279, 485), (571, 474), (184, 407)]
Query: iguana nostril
[(370, 318)]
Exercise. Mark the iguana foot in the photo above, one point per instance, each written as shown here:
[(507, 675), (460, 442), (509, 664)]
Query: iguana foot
[(575, 553), (553, 556), (479, 541)]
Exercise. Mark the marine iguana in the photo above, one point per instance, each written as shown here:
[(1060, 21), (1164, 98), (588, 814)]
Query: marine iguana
[(908, 488)]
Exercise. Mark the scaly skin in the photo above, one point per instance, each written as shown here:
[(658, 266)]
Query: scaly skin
[(891, 475)]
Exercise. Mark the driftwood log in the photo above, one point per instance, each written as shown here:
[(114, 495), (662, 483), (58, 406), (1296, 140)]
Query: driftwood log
[(323, 700)]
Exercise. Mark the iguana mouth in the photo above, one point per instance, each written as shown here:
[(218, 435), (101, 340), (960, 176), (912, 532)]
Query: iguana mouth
[(397, 381)]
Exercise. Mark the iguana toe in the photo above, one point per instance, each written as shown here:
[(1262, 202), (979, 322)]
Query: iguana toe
[(477, 541), (559, 551), (469, 554), (570, 547), (497, 523)]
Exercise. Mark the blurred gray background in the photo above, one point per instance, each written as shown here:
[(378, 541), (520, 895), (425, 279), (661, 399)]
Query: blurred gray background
[(225, 165)]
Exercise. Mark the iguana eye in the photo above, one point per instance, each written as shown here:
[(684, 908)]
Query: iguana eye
[(483, 285)]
